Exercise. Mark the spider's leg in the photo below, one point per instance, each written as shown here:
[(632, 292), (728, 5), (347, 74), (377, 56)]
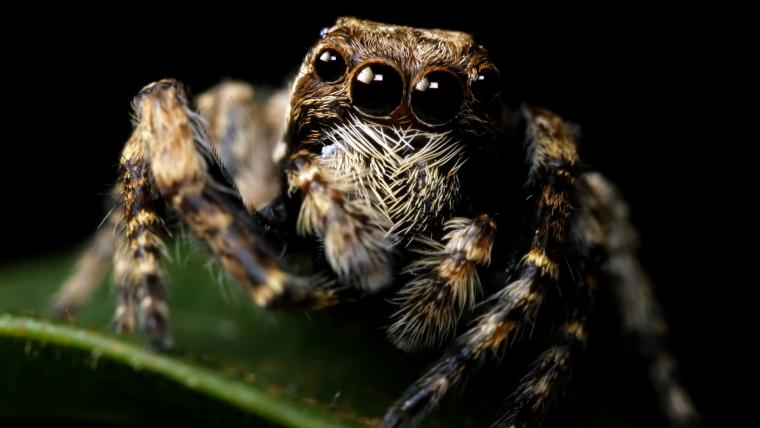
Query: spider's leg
[(138, 271), (173, 143), (90, 270), (353, 230), (640, 312), (550, 372), (445, 283), (553, 172), (245, 126), (244, 130), (548, 376)]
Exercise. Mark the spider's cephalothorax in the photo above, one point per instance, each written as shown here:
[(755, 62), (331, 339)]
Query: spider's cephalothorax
[(384, 173), (384, 117)]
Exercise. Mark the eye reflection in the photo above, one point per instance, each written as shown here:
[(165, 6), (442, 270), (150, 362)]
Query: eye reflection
[(377, 89), (486, 85), (437, 97), (329, 65)]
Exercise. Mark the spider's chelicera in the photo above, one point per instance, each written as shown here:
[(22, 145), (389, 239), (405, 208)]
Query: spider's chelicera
[(388, 170)]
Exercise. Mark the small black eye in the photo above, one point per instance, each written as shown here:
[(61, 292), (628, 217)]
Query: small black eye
[(487, 85), (437, 97), (377, 89), (329, 65)]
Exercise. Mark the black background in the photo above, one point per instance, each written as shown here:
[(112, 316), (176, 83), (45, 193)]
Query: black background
[(634, 79)]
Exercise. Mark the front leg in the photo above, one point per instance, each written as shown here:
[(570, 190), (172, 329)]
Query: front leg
[(162, 161), (237, 238), (445, 283), (138, 271), (357, 247), (553, 155), (243, 128)]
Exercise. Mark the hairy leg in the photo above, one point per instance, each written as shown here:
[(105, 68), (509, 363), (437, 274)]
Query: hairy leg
[(641, 314), (553, 171), (165, 161), (245, 126), (138, 271), (551, 371), (445, 284), (175, 142), (548, 376), (356, 245)]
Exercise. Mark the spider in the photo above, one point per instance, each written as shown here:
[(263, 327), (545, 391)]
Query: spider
[(393, 170)]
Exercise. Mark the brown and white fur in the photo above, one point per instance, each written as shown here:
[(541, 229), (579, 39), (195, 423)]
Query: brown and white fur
[(385, 204)]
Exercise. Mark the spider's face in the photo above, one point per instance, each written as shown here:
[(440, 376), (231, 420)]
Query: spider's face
[(429, 80), (399, 108)]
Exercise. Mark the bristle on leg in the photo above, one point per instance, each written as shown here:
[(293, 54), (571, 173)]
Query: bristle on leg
[(445, 284)]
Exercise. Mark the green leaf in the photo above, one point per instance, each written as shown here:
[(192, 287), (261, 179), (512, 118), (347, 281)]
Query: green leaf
[(291, 369), (234, 364), (281, 409)]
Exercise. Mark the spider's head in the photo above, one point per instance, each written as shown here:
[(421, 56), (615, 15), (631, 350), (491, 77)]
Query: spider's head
[(398, 109), (431, 80)]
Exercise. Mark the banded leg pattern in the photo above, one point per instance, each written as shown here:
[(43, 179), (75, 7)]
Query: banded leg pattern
[(553, 157), (445, 284)]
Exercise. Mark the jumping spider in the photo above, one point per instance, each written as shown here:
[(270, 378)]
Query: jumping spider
[(389, 172)]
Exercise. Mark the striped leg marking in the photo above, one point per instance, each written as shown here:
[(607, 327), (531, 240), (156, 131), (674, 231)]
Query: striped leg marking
[(553, 158), (138, 272), (169, 133), (445, 284), (551, 370)]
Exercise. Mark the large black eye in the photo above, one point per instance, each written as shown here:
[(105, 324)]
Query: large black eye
[(437, 97), (486, 85), (377, 89), (329, 65)]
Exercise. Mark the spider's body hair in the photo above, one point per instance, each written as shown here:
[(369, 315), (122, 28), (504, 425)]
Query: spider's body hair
[(370, 188), (409, 176), (380, 182)]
